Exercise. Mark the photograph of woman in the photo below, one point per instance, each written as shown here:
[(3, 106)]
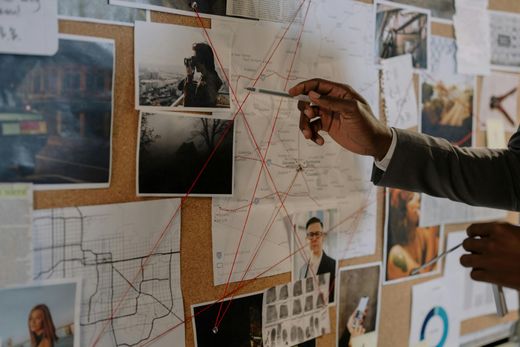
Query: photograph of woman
[(41, 327), (408, 246), (204, 91), (41, 314)]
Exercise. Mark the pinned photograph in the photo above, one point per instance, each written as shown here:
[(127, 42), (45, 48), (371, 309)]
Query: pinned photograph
[(183, 73), (174, 148), (442, 10), (184, 7), (287, 323), (505, 39), (447, 98), (240, 326), (408, 247), (56, 115), (499, 100), (311, 244), (358, 305), (99, 11), (41, 314), (400, 30)]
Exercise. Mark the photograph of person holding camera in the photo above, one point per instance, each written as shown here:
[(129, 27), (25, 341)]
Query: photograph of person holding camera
[(202, 92)]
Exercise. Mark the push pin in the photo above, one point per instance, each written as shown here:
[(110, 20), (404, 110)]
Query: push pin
[(299, 168), (215, 330), (194, 5)]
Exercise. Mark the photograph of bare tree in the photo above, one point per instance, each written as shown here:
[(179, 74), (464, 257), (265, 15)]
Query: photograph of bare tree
[(173, 149)]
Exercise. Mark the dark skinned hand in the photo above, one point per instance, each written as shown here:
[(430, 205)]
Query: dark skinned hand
[(495, 253), (344, 115)]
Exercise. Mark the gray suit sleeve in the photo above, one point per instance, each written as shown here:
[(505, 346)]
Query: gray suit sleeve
[(476, 176)]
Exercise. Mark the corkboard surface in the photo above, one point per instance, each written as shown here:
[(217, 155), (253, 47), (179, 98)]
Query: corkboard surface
[(196, 255)]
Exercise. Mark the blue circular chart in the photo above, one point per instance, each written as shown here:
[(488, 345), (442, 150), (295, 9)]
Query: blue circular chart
[(436, 312)]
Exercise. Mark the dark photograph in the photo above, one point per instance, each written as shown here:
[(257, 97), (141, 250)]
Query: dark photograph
[(241, 326), (56, 115), (214, 7), (173, 149), (399, 31)]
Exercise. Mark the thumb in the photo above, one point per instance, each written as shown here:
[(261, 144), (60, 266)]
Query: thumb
[(333, 103)]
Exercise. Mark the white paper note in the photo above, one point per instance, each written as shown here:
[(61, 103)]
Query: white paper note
[(436, 211), (495, 133), (475, 298), (300, 172), (29, 27), (399, 93), (15, 233), (473, 38), (435, 315), (129, 258)]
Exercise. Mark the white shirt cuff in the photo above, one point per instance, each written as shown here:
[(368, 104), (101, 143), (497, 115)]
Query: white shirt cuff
[(383, 163)]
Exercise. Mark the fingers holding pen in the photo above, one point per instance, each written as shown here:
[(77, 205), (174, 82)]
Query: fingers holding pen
[(310, 129)]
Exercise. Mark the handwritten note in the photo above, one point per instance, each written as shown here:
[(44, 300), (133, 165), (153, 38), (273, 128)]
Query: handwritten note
[(399, 93), (29, 27)]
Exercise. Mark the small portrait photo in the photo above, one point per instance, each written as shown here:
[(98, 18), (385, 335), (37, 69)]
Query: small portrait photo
[(272, 314), (358, 305), (297, 307), (184, 73), (311, 244), (309, 303), (283, 311), (447, 98), (284, 292), (41, 314), (297, 288), (408, 246), (174, 148), (270, 295), (309, 284), (400, 30)]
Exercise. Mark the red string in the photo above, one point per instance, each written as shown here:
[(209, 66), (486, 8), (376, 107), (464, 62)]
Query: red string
[(257, 148), (219, 142), (265, 155), (242, 284)]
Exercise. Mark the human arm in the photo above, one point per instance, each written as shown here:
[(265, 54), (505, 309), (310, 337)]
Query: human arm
[(495, 253), (45, 343), (420, 162)]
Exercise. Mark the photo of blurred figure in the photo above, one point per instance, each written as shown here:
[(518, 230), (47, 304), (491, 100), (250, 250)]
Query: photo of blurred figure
[(408, 246)]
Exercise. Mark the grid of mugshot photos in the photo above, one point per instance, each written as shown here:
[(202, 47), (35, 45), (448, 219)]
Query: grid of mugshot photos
[(296, 312)]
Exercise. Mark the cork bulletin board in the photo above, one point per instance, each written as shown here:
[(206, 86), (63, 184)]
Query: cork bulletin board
[(196, 242)]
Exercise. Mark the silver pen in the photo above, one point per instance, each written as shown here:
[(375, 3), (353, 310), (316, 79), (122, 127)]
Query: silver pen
[(434, 260), (279, 93), (500, 300)]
